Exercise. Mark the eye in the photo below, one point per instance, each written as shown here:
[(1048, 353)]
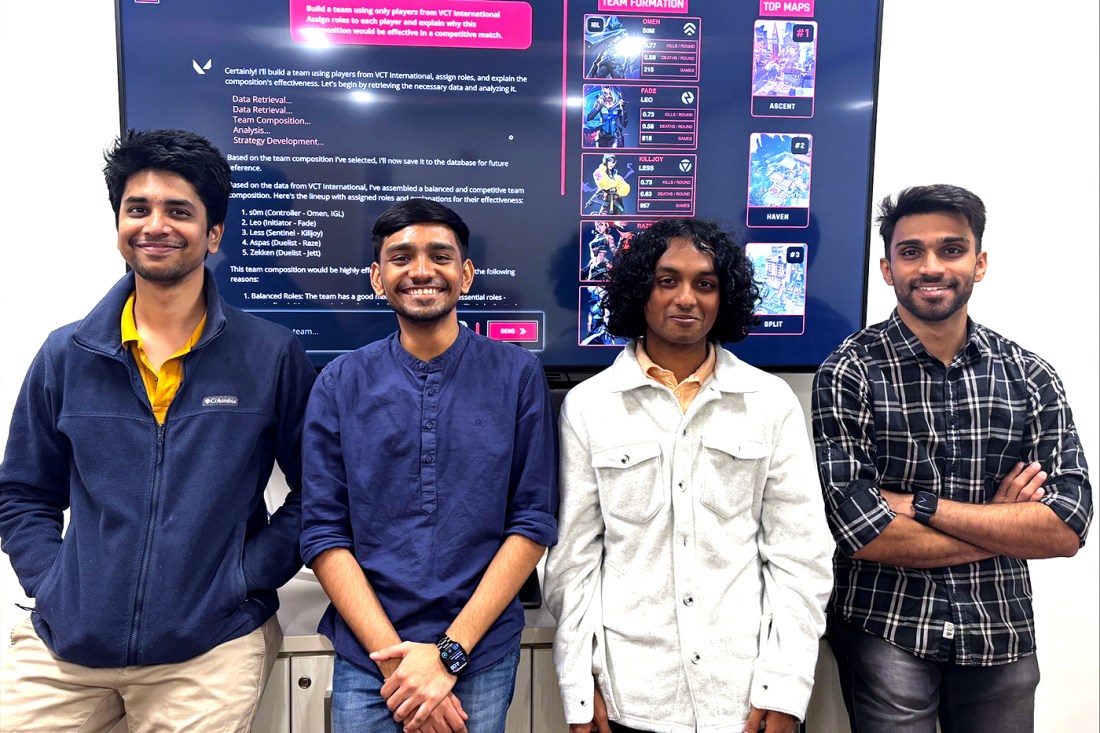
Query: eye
[(181, 213), (706, 285), (136, 210)]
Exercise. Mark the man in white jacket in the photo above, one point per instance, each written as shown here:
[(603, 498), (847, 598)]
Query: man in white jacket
[(693, 559)]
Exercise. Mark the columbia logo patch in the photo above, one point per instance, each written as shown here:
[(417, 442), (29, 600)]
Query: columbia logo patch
[(220, 400)]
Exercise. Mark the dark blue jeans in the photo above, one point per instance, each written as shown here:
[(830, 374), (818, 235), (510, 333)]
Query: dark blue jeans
[(889, 689), (358, 707)]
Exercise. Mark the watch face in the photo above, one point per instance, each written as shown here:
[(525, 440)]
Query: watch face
[(454, 659), (924, 506), (925, 502)]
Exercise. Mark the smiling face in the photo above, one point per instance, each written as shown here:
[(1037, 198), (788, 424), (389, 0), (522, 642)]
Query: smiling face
[(162, 228), (933, 266), (421, 272), (683, 302)]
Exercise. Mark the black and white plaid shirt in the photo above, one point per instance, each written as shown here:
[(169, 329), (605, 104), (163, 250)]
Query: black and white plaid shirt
[(887, 414)]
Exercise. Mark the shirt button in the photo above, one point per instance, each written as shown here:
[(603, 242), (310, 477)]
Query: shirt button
[(695, 658), (682, 487), (420, 365), (429, 458), (624, 459), (689, 600), (430, 425), (431, 391)]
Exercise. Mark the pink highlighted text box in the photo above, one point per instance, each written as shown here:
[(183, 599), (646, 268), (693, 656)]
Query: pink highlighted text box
[(453, 24)]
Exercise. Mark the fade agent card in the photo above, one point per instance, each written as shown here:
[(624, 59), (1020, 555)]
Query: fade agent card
[(607, 115), (779, 179), (784, 68), (668, 117), (780, 271)]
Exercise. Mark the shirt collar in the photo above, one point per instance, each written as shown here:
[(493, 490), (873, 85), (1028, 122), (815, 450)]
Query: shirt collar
[(130, 334), (129, 322), (648, 366), (453, 352), (907, 346)]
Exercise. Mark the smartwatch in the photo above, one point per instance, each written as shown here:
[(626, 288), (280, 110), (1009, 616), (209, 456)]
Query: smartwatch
[(453, 656), (925, 504)]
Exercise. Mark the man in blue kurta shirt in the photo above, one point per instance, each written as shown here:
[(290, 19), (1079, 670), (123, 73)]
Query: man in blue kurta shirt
[(430, 472)]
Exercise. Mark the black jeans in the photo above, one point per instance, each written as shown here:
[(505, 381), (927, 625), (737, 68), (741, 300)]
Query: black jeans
[(889, 689)]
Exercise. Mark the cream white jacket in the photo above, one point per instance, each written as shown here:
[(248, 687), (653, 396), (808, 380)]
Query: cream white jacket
[(693, 558)]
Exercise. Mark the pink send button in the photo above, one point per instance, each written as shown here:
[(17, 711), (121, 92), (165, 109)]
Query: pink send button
[(514, 330)]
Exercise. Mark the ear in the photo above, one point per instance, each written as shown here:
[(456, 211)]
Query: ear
[(214, 238), (467, 275), (887, 273), (979, 267), (376, 280)]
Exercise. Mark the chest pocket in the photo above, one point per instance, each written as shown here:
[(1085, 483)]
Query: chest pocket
[(629, 479), (732, 470)]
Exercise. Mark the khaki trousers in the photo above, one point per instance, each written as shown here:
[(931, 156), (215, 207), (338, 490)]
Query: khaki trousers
[(216, 692)]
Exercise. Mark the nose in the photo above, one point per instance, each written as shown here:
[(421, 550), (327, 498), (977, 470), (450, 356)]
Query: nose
[(421, 266), (684, 297), (156, 222), (931, 265)]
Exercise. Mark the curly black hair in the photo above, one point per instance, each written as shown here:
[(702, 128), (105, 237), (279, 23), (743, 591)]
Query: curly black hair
[(630, 279)]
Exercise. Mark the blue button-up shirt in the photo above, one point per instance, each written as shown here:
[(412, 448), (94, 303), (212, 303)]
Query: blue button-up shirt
[(422, 469)]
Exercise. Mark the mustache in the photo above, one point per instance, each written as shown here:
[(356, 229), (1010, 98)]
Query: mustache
[(157, 243), (923, 280)]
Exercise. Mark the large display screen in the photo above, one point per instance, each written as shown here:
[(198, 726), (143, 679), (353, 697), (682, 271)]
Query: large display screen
[(558, 129)]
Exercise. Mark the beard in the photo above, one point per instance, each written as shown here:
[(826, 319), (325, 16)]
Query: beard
[(169, 272), (423, 315), (410, 310), (938, 311)]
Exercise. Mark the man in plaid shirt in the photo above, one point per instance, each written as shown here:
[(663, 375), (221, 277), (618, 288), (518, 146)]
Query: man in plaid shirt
[(948, 457)]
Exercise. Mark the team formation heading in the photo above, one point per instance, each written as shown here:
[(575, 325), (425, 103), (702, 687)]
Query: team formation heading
[(558, 130), (641, 101)]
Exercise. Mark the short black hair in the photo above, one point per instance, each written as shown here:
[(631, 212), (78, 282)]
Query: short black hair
[(418, 211), (932, 199), (630, 279), (188, 155)]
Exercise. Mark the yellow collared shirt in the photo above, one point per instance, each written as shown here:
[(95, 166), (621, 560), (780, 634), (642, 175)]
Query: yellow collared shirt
[(684, 391), (160, 385)]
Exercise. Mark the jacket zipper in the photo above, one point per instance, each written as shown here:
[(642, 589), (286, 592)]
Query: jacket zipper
[(154, 504), (143, 574)]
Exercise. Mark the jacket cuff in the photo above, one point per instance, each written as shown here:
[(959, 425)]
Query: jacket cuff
[(577, 699), (780, 691)]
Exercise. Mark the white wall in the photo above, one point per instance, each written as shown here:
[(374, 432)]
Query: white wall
[(1003, 101)]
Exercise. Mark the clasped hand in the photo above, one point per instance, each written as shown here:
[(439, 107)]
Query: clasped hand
[(418, 693)]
